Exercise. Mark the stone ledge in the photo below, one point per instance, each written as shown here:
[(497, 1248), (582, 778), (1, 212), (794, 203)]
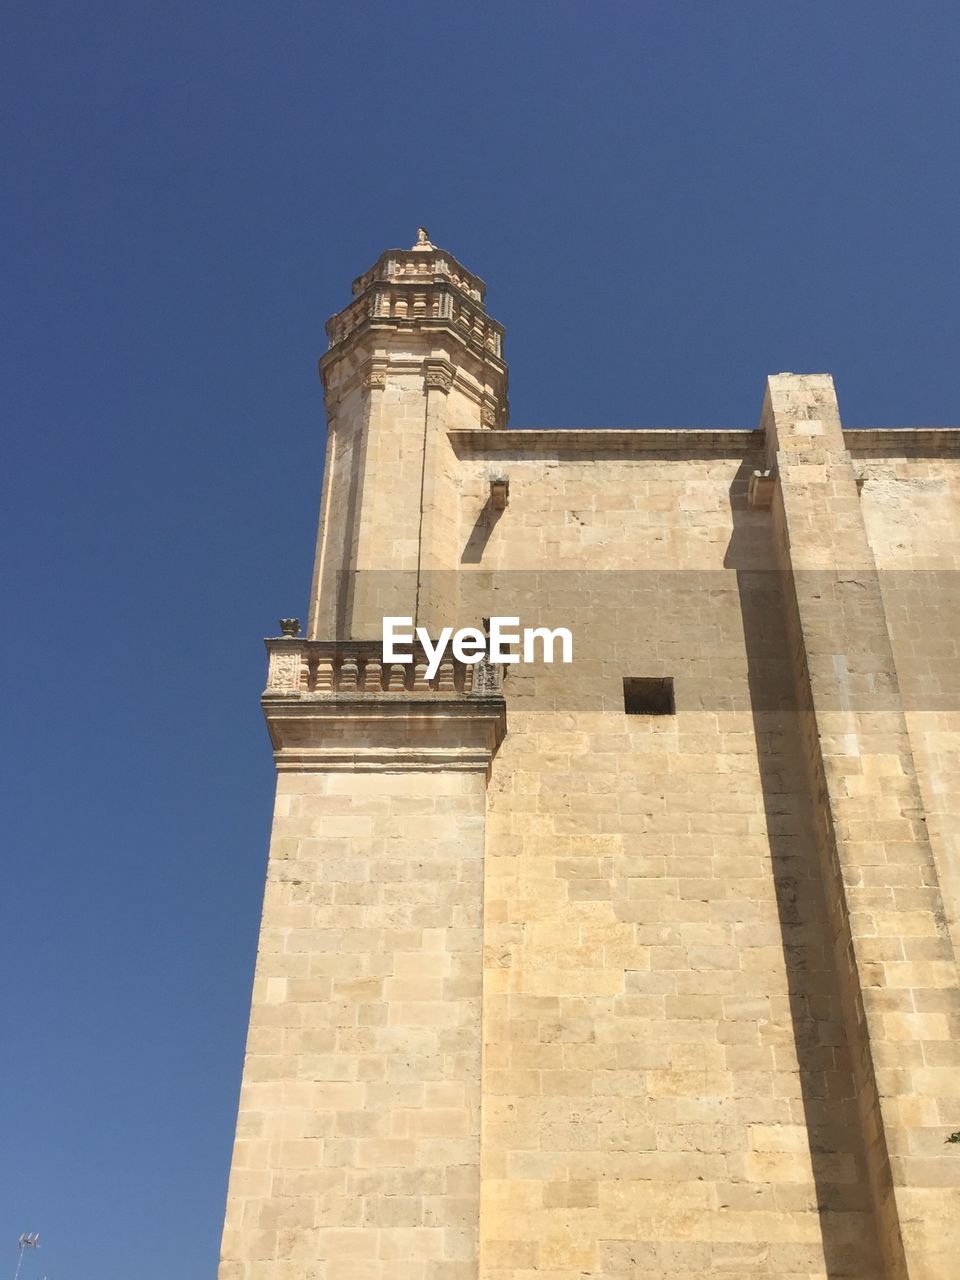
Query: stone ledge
[(895, 441), (602, 440), (690, 442), (392, 733), (483, 340)]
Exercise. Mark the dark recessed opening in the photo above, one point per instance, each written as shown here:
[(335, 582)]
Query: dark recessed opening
[(648, 696)]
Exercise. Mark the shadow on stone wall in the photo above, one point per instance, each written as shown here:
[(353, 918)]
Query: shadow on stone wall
[(828, 1100)]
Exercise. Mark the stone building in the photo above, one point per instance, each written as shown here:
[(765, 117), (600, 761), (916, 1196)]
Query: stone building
[(637, 968)]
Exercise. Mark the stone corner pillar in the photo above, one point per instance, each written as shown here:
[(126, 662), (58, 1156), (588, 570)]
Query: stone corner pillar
[(895, 960)]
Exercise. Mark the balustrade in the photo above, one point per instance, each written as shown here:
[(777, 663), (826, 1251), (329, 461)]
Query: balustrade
[(328, 668)]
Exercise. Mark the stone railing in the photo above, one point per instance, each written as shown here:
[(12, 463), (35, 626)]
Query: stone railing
[(354, 668), (404, 301), (415, 265)]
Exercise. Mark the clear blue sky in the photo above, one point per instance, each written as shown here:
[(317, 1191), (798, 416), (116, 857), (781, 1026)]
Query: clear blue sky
[(668, 201)]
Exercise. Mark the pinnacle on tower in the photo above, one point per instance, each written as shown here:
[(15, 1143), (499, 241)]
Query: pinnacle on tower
[(421, 303)]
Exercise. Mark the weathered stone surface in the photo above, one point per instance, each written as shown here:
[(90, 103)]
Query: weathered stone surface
[(610, 997)]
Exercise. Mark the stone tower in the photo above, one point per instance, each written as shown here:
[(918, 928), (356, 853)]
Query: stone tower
[(657, 982), (413, 357)]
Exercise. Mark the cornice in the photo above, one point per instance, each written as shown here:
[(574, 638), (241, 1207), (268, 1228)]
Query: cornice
[(692, 442), (902, 441), (438, 373), (468, 340), (419, 732), (605, 442), (418, 265)]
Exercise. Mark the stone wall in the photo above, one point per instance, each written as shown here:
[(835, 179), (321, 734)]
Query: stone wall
[(667, 1090), (634, 996), (358, 1136), (911, 506)]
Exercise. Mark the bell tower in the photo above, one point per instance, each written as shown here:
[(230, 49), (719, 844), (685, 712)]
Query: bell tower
[(413, 355)]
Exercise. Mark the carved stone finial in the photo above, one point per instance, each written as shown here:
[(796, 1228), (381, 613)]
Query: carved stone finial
[(290, 627), (423, 239)]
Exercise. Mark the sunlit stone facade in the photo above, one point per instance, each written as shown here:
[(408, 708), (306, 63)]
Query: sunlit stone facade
[(554, 988)]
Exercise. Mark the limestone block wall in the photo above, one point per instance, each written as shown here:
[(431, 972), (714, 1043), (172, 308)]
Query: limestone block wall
[(604, 500), (376, 456), (899, 983), (391, 501), (667, 1086), (676, 1079), (357, 1149), (636, 996), (343, 473), (911, 507)]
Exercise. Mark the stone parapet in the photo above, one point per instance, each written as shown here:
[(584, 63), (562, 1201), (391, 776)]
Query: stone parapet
[(337, 705), (326, 667), (413, 301)]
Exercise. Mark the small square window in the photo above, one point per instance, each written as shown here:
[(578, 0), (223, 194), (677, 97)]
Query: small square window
[(648, 696)]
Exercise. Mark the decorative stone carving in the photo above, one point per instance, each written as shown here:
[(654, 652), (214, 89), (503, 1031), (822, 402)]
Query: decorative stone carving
[(324, 679), (437, 377), (283, 674), (372, 675), (356, 668), (488, 414), (486, 678), (423, 260), (395, 678), (349, 676)]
